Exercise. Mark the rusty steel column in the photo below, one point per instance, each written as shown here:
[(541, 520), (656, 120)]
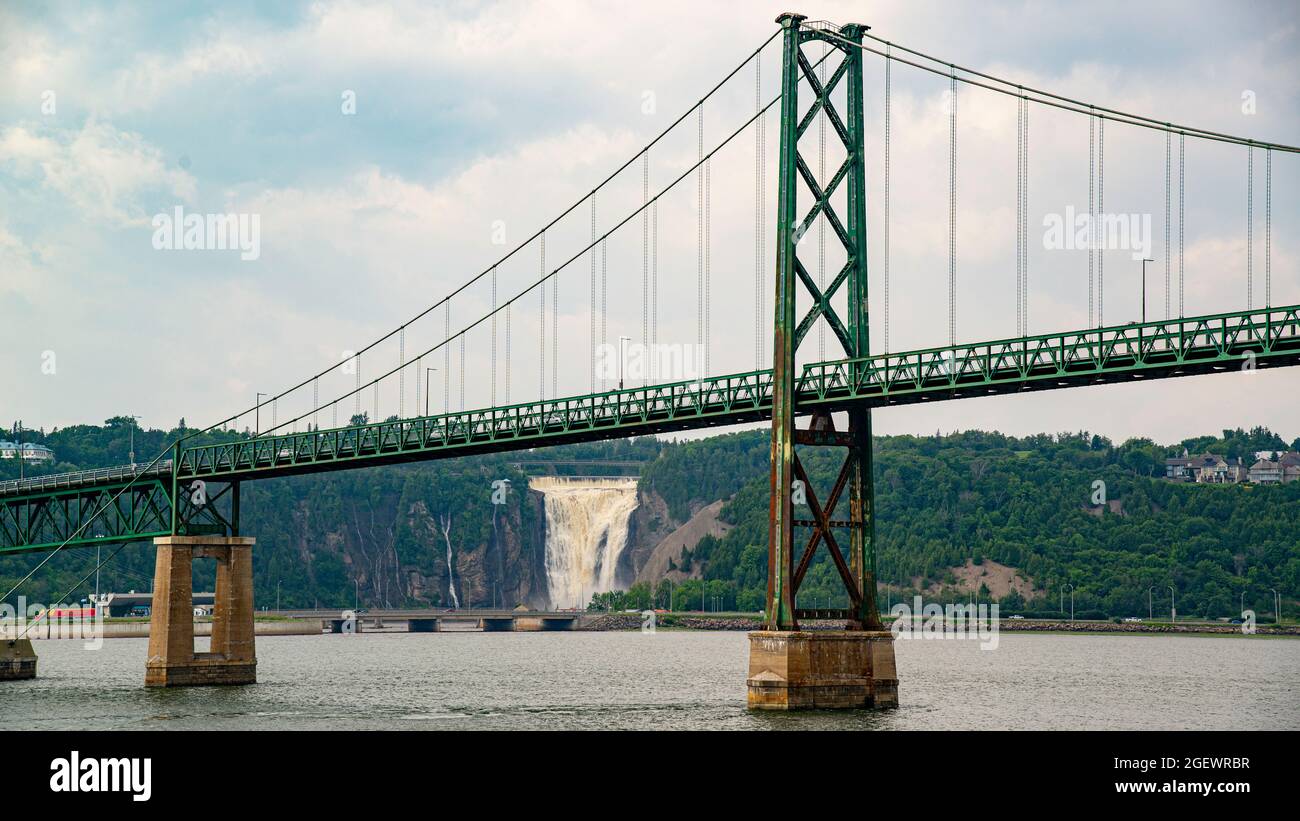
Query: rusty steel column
[(780, 534)]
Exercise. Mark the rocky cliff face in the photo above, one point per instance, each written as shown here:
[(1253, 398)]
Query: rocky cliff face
[(394, 542), (383, 538)]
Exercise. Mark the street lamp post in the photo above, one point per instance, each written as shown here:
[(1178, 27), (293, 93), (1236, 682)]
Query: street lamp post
[(277, 595), (1277, 608), (1173, 610), (1144, 289), (622, 356), (256, 413), (130, 448), (1071, 586), (1151, 613)]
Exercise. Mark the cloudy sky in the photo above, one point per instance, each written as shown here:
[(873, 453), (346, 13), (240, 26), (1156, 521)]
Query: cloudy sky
[(390, 152)]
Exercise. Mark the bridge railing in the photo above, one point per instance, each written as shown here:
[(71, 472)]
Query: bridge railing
[(1135, 347), (78, 478)]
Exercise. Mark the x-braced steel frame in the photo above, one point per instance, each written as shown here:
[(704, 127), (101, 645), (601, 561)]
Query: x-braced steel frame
[(851, 331)]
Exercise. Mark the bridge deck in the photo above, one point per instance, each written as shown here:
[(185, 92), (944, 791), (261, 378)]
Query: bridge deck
[(43, 512)]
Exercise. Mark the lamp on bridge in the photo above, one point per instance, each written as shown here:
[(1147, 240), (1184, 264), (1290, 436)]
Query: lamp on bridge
[(257, 413), (1144, 289), (622, 357)]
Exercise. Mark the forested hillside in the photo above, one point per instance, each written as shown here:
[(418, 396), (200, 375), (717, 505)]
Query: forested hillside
[(1028, 503)]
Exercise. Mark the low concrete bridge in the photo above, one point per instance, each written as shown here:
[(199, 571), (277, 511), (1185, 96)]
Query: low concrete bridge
[(434, 620)]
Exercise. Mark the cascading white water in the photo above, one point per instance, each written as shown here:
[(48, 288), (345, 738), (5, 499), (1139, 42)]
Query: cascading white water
[(586, 531)]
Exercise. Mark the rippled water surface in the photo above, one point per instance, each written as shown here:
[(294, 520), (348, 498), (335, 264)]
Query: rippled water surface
[(666, 680)]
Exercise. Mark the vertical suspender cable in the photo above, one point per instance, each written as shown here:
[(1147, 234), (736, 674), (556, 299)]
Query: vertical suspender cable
[(315, 402), (555, 333), (760, 172), (952, 206), (653, 363), (604, 301), (356, 394), (1250, 227), (462, 371), (708, 273), (494, 345), (541, 321), (1101, 212), (1020, 214), (699, 232), (401, 373), (446, 360), (1168, 250), (1182, 274), (888, 62), (506, 385), (1268, 228), (645, 250), (591, 310), (1092, 215), (1024, 228)]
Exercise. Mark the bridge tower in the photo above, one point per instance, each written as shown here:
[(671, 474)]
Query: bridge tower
[(790, 668)]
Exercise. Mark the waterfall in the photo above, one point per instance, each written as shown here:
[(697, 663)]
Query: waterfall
[(451, 570), (586, 531)]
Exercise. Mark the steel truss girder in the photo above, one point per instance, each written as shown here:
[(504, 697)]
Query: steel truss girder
[(111, 512)]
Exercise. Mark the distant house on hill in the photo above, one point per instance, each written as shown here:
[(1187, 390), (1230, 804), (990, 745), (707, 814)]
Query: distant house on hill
[(36, 453), (1208, 469), (1265, 472), (1179, 469), (1211, 469), (27, 451), (1285, 469)]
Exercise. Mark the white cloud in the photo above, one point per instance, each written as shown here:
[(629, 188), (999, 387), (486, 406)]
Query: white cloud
[(99, 169)]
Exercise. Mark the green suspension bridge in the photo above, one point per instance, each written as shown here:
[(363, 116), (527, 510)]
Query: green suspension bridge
[(821, 191)]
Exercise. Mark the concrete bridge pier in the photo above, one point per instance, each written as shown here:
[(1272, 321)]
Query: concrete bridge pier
[(232, 658), (17, 659), (821, 669)]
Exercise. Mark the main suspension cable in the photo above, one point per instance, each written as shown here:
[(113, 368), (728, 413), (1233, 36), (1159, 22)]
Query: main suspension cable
[(620, 224), (754, 55), (946, 68)]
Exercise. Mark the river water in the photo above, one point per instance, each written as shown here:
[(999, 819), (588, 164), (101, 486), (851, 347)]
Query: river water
[(669, 679)]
